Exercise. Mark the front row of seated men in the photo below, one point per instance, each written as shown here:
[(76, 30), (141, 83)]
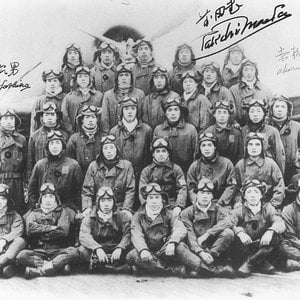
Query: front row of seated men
[(204, 240)]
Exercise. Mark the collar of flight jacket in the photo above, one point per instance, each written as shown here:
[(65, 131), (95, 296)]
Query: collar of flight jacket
[(259, 162), (257, 85), (168, 164), (95, 216), (92, 91), (150, 64), (215, 88), (122, 126), (220, 129), (119, 165), (199, 214), (58, 96), (180, 125), (102, 68)]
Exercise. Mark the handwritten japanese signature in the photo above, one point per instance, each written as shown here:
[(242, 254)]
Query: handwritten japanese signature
[(10, 71), (229, 29), (290, 56)]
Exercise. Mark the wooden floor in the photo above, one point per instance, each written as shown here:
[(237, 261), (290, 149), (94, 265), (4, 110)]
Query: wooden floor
[(284, 286)]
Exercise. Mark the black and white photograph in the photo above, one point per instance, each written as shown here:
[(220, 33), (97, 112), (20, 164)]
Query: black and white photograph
[(149, 149)]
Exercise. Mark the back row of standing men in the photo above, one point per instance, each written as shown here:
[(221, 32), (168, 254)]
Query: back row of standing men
[(127, 126)]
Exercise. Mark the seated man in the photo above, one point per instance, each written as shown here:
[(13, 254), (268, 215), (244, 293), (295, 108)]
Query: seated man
[(47, 229), (291, 238), (11, 228), (157, 237), (105, 234), (257, 226), (208, 236)]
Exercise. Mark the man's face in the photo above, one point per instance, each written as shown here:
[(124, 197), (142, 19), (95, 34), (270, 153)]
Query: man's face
[(161, 154), (83, 80), (55, 147), (173, 113), (8, 122), (253, 195), (52, 84), (124, 79), (256, 114), (107, 56), (154, 202), (144, 52), (207, 149), (129, 113), (222, 116), (49, 119), (189, 85), (159, 82), (109, 151), (3, 202), (106, 205), (236, 57), (185, 56), (73, 57), (89, 121), (209, 76), (254, 147), (204, 198), (48, 200), (280, 109), (249, 73)]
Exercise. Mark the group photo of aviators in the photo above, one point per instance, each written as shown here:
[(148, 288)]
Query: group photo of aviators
[(132, 168)]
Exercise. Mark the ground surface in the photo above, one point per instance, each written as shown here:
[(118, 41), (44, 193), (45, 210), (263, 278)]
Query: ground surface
[(282, 286)]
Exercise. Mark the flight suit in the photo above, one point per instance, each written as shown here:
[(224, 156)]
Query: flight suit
[(73, 104), (220, 171), (13, 154), (111, 108), (120, 178), (183, 140)]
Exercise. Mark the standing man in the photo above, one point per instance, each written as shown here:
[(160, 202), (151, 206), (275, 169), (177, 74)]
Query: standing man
[(152, 112), (84, 145), (280, 117), (72, 59), (123, 88), (83, 94), (103, 71), (132, 136), (63, 172), (183, 62), (183, 137), (53, 94), (145, 64), (13, 154), (50, 118)]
